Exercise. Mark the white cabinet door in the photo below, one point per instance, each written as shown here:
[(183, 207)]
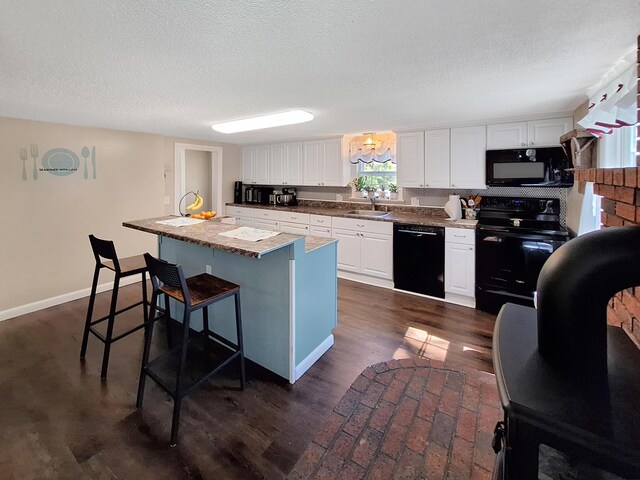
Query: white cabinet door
[(547, 133), (468, 150), (293, 164), (460, 269), (267, 224), (295, 228), (376, 254), (247, 164), (410, 159), (277, 163), (436, 158), (261, 165), (348, 249), (333, 163), (312, 161), (507, 135)]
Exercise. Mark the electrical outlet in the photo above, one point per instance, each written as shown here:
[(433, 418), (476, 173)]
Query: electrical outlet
[(208, 269), (339, 197), (415, 201)]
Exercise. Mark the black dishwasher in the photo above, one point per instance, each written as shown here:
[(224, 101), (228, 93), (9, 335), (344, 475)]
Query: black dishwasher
[(418, 259)]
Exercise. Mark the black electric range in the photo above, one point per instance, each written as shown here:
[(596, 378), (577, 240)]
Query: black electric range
[(514, 238)]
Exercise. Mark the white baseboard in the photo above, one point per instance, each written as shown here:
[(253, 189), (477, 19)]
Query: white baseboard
[(449, 298), (64, 298), (313, 357), (357, 277)]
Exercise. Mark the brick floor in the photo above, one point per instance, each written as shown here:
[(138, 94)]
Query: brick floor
[(408, 419)]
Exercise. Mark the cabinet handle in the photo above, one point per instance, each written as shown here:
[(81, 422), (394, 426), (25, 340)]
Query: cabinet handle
[(453, 184), (426, 184), (523, 144), (361, 226), (320, 221), (531, 144)]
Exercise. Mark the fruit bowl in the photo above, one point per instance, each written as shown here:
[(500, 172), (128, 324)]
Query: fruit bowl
[(204, 215)]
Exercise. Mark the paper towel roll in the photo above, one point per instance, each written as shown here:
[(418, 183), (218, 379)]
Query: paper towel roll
[(453, 208)]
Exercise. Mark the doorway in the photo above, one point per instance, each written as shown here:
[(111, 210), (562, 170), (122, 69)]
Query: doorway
[(198, 168)]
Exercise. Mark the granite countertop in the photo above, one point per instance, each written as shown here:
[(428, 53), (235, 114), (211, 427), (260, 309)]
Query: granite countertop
[(410, 217), (207, 235)]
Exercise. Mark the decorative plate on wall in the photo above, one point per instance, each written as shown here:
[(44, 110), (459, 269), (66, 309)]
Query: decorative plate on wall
[(60, 161)]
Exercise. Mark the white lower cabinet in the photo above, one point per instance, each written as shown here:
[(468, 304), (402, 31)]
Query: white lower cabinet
[(460, 265), (266, 224), (364, 247), (320, 231)]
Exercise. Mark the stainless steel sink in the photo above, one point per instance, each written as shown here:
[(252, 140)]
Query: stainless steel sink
[(366, 213)]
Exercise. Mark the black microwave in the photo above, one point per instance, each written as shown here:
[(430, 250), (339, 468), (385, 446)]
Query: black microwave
[(529, 167)]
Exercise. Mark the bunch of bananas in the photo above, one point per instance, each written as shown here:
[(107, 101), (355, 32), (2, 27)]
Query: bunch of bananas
[(197, 203)]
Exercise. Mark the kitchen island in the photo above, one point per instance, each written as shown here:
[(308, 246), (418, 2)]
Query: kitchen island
[(288, 289)]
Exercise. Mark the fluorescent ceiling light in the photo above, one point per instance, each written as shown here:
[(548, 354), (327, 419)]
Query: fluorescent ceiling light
[(265, 121)]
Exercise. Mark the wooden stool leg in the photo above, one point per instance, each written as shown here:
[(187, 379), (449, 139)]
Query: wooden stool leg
[(239, 333), (145, 304), (87, 323), (109, 336)]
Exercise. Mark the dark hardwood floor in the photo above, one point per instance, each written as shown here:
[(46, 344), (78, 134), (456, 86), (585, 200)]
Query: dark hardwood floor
[(58, 420)]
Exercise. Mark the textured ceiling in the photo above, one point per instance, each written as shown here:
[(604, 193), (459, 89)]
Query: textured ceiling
[(174, 67)]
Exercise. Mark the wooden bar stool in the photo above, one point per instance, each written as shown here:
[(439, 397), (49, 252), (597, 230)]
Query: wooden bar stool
[(200, 354), (104, 252)]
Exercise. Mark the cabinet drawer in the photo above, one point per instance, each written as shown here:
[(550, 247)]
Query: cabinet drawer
[(294, 228), (238, 211), (466, 236), (293, 217), (320, 220), (358, 225), (266, 214), (321, 231)]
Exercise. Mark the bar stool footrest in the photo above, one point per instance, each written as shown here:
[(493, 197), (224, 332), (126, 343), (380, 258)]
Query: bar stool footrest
[(205, 358)]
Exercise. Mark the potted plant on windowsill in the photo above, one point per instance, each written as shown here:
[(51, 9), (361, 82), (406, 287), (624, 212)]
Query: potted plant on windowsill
[(393, 191), (359, 184)]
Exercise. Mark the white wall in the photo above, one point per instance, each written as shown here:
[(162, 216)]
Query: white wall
[(44, 223)]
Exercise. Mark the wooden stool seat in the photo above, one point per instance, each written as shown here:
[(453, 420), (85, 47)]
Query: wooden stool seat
[(128, 265), (203, 288)]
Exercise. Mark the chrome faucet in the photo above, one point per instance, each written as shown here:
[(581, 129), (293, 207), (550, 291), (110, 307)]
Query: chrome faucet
[(372, 199)]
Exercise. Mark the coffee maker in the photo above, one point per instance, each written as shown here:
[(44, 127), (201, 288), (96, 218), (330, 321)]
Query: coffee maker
[(237, 192)]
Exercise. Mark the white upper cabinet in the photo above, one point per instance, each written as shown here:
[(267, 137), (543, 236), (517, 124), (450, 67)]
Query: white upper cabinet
[(507, 135), (285, 163), (534, 133), (547, 133), (323, 164), (411, 160), (468, 151), (436, 158), (255, 164), (444, 158)]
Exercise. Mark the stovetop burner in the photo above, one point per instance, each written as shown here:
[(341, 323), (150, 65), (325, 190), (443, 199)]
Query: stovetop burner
[(521, 215)]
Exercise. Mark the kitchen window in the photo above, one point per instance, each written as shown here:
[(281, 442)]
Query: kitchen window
[(379, 175), (618, 149)]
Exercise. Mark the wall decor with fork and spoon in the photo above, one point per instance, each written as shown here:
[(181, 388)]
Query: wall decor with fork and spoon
[(58, 161)]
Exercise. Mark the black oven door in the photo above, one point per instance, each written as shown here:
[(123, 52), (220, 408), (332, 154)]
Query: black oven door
[(508, 265)]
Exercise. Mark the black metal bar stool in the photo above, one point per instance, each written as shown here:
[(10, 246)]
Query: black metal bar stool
[(200, 354), (105, 253)]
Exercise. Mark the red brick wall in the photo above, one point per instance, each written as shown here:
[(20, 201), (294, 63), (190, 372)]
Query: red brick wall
[(620, 188)]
